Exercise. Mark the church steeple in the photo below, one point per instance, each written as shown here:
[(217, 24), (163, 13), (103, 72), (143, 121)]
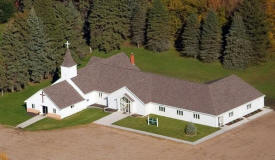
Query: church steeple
[(68, 59), (68, 67)]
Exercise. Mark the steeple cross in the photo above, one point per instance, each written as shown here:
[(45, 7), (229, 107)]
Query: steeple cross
[(42, 95), (67, 44)]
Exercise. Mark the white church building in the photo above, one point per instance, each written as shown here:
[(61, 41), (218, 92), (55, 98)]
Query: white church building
[(116, 83)]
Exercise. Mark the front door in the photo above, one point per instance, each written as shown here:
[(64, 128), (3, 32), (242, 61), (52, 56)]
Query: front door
[(45, 109), (125, 105)]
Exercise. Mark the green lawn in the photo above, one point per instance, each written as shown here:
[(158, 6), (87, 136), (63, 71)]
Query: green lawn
[(171, 63), (167, 127), (12, 109), (84, 117)]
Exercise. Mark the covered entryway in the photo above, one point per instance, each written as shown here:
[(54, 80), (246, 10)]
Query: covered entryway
[(125, 104)]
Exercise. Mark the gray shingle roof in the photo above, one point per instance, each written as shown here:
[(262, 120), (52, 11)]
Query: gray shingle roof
[(110, 74), (119, 60), (63, 94), (68, 59)]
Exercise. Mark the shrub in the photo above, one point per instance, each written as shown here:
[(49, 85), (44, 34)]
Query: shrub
[(190, 129), (6, 10)]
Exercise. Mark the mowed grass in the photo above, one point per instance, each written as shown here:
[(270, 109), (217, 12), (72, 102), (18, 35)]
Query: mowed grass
[(167, 127), (12, 108), (84, 117), (171, 63)]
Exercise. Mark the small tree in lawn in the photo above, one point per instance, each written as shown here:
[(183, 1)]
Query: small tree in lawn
[(190, 129), (190, 37), (238, 50)]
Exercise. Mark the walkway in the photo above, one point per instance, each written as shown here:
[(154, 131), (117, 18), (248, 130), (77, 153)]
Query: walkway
[(116, 116), (30, 121), (110, 119)]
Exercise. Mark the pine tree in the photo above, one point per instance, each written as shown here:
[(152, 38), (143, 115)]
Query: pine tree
[(109, 24), (3, 79), (210, 48), (190, 36), (62, 22), (40, 63), (255, 22), (138, 23), (158, 32), (13, 50), (6, 10), (238, 50), (71, 28)]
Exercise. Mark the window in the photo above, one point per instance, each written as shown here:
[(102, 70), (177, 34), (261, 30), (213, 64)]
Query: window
[(248, 106), (231, 114), (33, 105), (54, 110), (179, 112), (196, 116), (100, 94), (72, 106), (161, 108)]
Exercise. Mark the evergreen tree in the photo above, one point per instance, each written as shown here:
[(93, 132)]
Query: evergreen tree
[(138, 23), (13, 49), (238, 50), (3, 79), (190, 36), (40, 63), (71, 29), (62, 22), (6, 10), (158, 32), (210, 48), (255, 22), (109, 24)]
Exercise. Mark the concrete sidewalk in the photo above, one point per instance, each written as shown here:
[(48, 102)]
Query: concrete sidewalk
[(31, 121), (116, 116), (110, 119)]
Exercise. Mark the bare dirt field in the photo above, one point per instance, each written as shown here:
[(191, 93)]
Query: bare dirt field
[(252, 141)]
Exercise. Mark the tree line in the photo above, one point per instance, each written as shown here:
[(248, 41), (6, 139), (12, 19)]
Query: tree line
[(236, 33)]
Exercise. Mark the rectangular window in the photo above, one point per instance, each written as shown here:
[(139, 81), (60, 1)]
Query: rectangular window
[(248, 106), (100, 94), (54, 110), (196, 116), (33, 105), (231, 114), (161, 108), (179, 112)]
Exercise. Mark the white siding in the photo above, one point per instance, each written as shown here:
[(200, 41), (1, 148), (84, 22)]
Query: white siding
[(36, 99), (65, 112), (137, 105), (242, 110), (171, 112), (68, 72)]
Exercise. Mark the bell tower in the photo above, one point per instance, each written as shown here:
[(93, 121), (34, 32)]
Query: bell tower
[(68, 67)]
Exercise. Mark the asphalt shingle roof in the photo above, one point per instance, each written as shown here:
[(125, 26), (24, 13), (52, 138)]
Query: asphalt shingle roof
[(63, 94), (68, 59), (108, 75)]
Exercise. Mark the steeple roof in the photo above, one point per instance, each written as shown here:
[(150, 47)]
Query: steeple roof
[(68, 59)]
